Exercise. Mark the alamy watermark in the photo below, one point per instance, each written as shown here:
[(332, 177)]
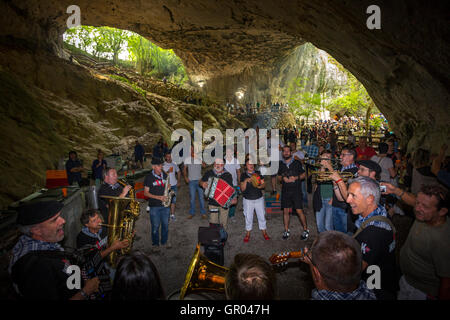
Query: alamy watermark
[(261, 149)]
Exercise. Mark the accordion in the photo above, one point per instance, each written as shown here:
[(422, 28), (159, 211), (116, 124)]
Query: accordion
[(220, 191)]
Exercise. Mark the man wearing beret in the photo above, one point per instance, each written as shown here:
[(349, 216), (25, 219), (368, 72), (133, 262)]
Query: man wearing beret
[(369, 168), (154, 185), (39, 266)]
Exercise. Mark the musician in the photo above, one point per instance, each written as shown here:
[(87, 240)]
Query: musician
[(110, 187), (341, 219), (250, 278), (92, 234), (290, 173), (38, 266), (322, 198), (218, 215), (253, 200), (174, 173), (154, 184), (375, 233), (335, 263)]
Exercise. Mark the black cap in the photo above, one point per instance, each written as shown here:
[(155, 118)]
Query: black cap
[(157, 161), (371, 165), (37, 212)]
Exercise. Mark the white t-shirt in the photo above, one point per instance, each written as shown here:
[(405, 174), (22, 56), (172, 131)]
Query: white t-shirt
[(232, 167), (171, 169), (385, 163)]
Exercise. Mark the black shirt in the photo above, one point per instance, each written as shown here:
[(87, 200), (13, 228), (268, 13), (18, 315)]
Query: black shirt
[(156, 187), (107, 190), (225, 175), (294, 168), (43, 276), (250, 193), (377, 248)]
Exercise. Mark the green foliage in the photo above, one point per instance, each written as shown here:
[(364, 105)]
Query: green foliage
[(303, 103), (147, 58), (353, 99)]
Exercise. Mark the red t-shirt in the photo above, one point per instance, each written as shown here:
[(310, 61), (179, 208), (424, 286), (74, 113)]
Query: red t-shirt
[(368, 153)]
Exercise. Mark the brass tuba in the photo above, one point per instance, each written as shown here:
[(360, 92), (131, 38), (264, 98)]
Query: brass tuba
[(203, 275), (122, 214)]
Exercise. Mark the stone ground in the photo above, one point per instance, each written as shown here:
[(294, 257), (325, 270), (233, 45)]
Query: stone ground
[(294, 280)]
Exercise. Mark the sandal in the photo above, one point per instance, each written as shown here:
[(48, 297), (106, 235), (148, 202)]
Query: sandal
[(247, 238), (266, 236)]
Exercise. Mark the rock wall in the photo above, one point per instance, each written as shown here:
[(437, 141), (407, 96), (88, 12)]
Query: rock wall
[(51, 106), (271, 85)]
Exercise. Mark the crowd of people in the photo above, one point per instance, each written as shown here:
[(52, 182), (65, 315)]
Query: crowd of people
[(356, 189), (255, 108)]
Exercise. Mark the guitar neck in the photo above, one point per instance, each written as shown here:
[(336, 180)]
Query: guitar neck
[(296, 254)]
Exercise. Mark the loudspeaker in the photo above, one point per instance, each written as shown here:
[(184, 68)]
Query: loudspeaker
[(215, 253)]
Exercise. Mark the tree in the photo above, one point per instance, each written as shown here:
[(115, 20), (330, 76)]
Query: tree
[(113, 41)]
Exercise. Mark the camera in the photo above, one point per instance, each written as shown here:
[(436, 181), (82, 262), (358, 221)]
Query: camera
[(383, 188)]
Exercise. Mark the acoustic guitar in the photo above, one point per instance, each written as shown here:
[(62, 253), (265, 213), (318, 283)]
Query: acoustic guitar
[(282, 258)]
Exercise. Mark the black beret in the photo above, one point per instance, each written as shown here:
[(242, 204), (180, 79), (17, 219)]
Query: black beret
[(371, 165), (157, 161), (37, 212)]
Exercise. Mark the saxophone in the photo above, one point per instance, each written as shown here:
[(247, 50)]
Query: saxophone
[(122, 215), (169, 193)]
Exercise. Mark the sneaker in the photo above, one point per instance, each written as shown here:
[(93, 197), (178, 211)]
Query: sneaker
[(305, 235), (172, 216), (190, 216), (286, 235), (167, 245), (204, 216), (155, 249)]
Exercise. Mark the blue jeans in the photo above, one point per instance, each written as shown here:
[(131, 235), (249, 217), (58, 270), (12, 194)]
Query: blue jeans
[(324, 217), (174, 189), (305, 195), (194, 188), (159, 216), (340, 219)]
